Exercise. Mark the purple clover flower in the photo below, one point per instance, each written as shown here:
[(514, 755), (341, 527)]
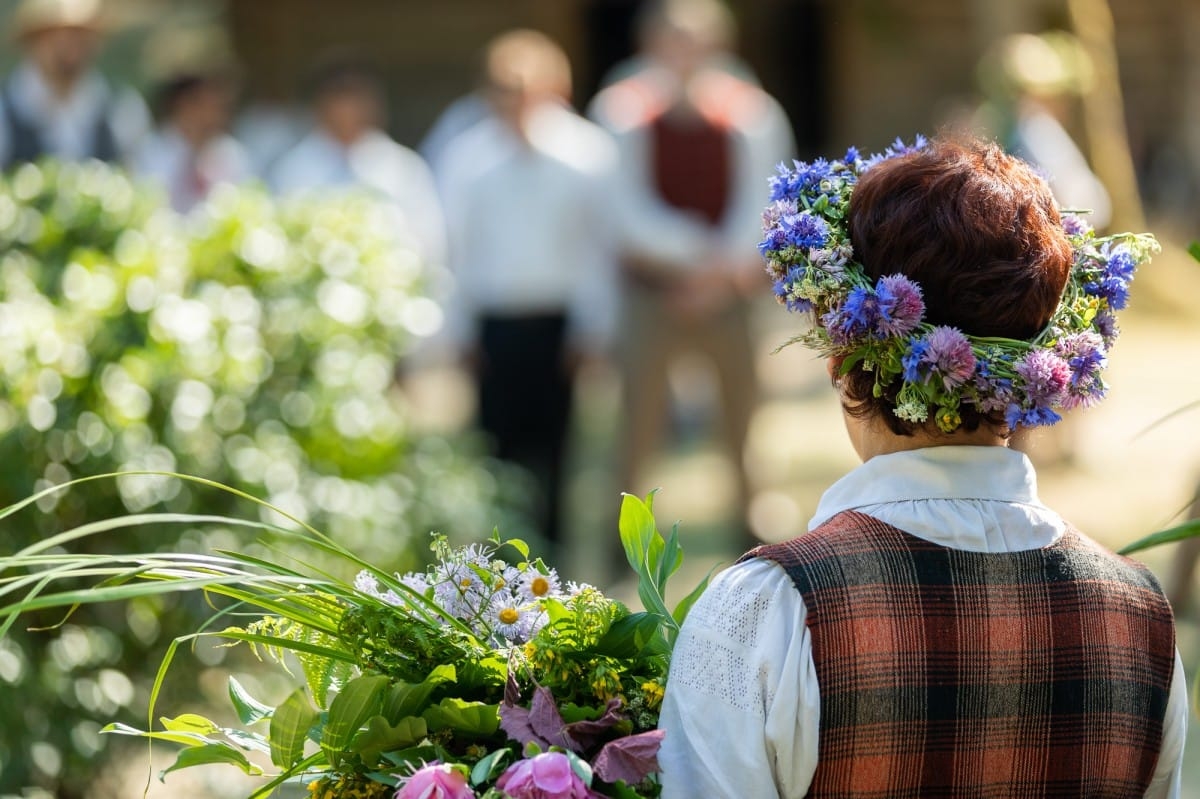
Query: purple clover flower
[(1046, 377), (900, 306), (1075, 225), (949, 354)]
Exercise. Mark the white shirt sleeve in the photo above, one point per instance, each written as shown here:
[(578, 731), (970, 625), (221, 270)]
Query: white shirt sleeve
[(742, 707), (1168, 774)]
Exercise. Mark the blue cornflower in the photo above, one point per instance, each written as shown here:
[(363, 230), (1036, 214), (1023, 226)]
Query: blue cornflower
[(784, 287), (803, 178), (1016, 417), (913, 359), (805, 230), (802, 230)]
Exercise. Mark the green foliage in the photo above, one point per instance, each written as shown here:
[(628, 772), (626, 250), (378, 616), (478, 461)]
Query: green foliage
[(254, 343), (588, 678)]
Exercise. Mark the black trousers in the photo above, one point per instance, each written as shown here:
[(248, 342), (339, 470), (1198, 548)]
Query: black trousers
[(525, 394)]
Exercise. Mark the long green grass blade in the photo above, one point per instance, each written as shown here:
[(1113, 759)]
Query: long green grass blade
[(1189, 529)]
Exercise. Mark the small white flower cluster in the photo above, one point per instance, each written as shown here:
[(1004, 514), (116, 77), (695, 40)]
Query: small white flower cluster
[(500, 602)]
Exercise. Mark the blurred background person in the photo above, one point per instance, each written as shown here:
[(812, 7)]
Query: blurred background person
[(191, 150), (696, 145), (347, 149), (529, 221), (55, 103), (1030, 83)]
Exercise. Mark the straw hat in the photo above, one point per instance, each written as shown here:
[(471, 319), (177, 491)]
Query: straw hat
[(35, 16)]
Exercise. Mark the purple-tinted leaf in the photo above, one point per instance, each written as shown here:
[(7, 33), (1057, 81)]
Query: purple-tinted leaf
[(587, 734), (630, 759), (541, 723)]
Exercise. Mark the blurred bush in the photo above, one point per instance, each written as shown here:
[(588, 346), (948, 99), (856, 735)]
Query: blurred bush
[(253, 343)]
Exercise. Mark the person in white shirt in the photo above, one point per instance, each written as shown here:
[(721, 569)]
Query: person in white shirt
[(695, 143), (531, 255), (347, 150), (191, 152), (55, 103), (939, 631)]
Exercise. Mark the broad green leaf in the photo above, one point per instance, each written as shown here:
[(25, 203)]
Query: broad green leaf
[(488, 766), (628, 637), (636, 526), (581, 767), (289, 728), (1194, 250), (358, 700), (471, 718), (190, 722), (209, 754), (249, 709), (184, 738), (408, 699), (684, 605), (380, 736)]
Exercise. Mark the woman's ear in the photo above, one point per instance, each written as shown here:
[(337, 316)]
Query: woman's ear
[(833, 365)]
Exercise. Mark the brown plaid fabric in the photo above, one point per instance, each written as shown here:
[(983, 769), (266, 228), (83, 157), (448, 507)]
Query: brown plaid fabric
[(963, 674)]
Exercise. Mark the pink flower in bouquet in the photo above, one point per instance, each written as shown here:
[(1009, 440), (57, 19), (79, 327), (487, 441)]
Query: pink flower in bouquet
[(545, 776), (436, 781)]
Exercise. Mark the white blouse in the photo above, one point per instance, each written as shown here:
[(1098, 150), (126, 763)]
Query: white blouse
[(742, 705)]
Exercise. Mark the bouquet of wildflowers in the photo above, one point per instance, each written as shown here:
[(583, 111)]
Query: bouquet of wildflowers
[(482, 676)]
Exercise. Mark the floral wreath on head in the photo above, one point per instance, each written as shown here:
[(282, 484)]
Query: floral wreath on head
[(880, 325)]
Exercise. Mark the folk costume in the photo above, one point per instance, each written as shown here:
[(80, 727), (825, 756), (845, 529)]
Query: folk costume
[(939, 632)]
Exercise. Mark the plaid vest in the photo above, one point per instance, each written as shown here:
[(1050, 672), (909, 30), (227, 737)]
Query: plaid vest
[(946, 673)]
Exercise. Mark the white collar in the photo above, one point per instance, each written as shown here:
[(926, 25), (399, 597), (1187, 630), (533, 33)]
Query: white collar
[(981, 473)]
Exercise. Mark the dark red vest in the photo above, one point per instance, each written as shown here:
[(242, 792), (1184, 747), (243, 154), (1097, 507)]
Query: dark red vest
[(946, 673)]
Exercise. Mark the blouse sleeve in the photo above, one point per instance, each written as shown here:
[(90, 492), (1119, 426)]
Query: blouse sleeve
[(1168, 776), (742, 703)]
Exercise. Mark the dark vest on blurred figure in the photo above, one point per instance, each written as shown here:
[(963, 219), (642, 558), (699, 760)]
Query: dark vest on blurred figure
[(948, 673), (25, 139), (692, 160)]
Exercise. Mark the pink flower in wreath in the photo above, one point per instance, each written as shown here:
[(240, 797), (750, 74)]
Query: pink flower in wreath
[(436, 781), (545, 776)]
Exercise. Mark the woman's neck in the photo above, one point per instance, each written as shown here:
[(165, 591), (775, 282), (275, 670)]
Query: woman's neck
[(871, 437)]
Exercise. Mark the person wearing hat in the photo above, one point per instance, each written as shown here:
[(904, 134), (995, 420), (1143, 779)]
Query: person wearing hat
[(56, 103), (192, 152)]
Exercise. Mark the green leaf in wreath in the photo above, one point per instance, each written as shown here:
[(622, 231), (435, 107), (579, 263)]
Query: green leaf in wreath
[(358, 700), (380, 736), (209, 754), (472, 718), (249, 709), (289, 728)]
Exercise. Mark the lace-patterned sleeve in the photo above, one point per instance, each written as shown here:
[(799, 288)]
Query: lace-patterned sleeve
[(742, 703)]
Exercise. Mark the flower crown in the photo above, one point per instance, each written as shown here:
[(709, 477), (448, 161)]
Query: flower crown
[(880, 326)]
